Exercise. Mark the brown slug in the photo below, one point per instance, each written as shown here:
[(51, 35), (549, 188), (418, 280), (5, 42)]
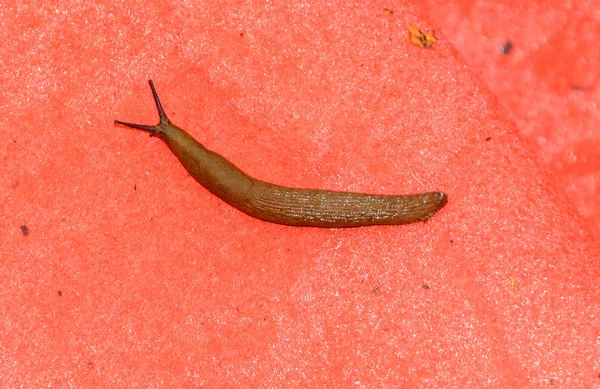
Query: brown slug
[(283, 205)]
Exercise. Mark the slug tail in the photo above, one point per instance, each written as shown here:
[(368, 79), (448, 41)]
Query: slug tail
[(442, 199)]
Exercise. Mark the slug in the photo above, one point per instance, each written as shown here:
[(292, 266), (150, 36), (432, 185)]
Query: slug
[(280, 204)]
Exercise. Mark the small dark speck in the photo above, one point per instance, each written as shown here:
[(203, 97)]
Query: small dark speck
[(489, 138), (375, 289), (90, 364), (59, 293), (242, 34), (506, 48), (25, 230), (425, 286), (134, 187), (388, 11), (451, 240)]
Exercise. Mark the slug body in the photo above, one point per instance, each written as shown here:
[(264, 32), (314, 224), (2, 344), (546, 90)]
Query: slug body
[(283, 205)]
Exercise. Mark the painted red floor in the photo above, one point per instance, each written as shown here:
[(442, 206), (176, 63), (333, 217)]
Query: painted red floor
[(133, 275)]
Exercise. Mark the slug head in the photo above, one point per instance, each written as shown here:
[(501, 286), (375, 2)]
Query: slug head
[(153, 130)]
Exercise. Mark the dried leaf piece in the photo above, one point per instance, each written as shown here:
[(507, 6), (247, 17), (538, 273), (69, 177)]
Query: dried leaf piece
[(419, 38)]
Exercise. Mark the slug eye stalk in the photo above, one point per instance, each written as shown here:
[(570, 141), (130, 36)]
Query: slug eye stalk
[(161, 112)]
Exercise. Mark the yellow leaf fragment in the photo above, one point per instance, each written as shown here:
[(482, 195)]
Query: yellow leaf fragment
[(419, 38)]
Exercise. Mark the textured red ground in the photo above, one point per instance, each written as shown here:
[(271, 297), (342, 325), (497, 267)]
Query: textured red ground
[(132, 275)]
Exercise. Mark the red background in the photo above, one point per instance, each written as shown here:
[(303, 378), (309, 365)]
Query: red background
[(132, 275)]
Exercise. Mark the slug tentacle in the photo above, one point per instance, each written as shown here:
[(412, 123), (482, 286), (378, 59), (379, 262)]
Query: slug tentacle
[(283, 205), (164, 120)]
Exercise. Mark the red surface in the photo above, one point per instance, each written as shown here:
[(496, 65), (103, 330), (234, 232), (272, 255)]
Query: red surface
[(132, 275)]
